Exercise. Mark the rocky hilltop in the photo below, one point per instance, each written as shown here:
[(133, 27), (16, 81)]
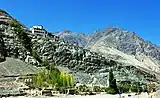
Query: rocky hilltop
[(87, 65)]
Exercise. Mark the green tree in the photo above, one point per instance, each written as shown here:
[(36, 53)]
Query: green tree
[(64, 78), (52, 76), (38, 80), (71, 80), (112, 81)]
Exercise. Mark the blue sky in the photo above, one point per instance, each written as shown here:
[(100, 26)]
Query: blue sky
[(140, 16)]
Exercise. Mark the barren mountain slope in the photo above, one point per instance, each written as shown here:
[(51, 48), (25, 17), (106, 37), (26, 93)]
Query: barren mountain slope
[(124, 47)]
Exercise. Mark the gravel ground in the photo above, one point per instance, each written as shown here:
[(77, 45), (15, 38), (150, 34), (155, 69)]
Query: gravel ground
[(90, 96), (15, 67)]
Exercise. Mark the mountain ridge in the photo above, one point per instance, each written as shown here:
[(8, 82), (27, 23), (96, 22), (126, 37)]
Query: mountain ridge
[(99, 34), (128, 48)]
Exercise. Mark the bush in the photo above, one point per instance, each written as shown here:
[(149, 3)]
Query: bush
[(97, 89), (83, 88), (124, 88), (134, 89), (110, 90)]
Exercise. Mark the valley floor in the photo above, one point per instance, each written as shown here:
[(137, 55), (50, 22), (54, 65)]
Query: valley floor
[(143, 95)]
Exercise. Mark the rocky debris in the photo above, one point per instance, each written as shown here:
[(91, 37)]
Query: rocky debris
[(16, 67)]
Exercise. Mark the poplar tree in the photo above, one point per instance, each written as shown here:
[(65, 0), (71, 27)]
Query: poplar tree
[(112, 81)]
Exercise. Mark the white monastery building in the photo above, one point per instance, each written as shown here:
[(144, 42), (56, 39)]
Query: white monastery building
[(38, 30)]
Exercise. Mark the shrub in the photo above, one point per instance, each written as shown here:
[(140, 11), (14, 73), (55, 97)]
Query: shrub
[(110, 90), (83, 88), (124, 88), (97, 89)]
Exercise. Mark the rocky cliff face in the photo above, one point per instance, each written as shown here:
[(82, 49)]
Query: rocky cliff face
[(88, 67)]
